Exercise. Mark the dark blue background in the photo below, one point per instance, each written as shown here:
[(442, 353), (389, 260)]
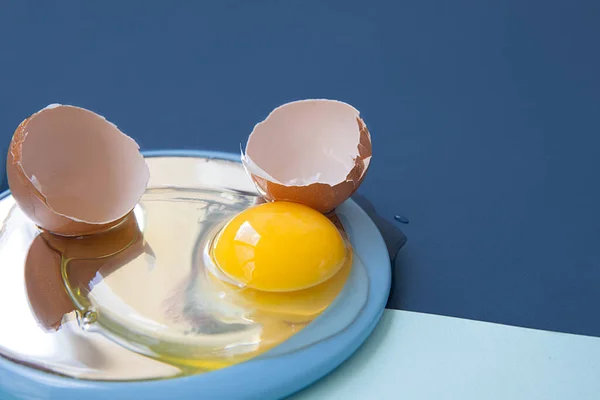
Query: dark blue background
[(484, 115)]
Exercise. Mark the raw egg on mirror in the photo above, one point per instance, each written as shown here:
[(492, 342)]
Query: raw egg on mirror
[(270, 269)]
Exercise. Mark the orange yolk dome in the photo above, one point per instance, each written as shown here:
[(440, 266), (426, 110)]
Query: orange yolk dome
[(280, 247)]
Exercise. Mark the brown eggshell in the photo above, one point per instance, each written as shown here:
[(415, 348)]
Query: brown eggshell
[(74, 173), (314, 152)]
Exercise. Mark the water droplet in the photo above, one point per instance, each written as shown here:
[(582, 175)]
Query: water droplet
[(401, 219)]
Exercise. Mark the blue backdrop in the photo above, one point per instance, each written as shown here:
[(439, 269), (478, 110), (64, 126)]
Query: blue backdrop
[(484, 116)]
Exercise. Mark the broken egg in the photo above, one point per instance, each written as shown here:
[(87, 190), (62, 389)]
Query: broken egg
[(74, 173), (313, 152)]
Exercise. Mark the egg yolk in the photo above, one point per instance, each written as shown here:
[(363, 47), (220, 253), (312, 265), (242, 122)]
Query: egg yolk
[(279, 247)]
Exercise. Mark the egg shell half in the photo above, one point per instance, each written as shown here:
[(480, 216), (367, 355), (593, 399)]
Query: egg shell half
[(313, 152), (74, 173)]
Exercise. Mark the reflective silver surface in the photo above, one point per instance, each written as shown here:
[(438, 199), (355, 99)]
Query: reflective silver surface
[(133, 303)]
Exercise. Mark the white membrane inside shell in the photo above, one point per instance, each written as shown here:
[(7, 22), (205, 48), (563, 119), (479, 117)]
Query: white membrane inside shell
[(305, 142), (83, 165)]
